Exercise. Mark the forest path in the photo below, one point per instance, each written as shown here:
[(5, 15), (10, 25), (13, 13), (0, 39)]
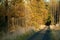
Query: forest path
[(46, 34)]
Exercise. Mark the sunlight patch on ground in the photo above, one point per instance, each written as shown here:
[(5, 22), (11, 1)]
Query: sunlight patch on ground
[(55, 27), (41, 27)]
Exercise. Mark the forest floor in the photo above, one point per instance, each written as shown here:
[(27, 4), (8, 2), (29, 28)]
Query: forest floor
[(31, 33)]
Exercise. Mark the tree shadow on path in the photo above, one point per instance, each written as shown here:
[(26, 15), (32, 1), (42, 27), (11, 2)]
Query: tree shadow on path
[(47, 35), (41, 35)]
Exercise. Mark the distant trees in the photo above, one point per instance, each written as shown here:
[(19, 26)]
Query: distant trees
[(54, 9)]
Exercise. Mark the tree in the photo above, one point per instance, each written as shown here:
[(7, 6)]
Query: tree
[(37, 13)]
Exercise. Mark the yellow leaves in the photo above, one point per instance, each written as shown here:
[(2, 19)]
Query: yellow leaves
[(19, 9), (37, 12), (35, 24), (33, 3), (22, 15), (32, 15)]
